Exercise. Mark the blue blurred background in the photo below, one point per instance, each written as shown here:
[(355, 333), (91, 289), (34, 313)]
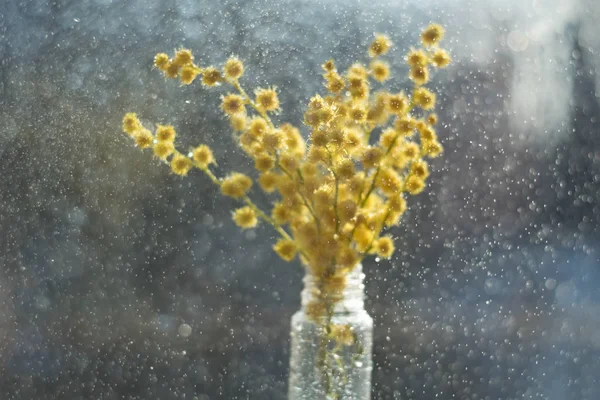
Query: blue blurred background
[(120, 280)]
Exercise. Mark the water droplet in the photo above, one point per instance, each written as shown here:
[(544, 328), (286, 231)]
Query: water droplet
[(208, 219), (184, 330), (517, 41), (493, 285), (251, 234), (550, 284)]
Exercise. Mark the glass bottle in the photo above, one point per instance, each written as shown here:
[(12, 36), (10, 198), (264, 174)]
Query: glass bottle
[(331, 354)]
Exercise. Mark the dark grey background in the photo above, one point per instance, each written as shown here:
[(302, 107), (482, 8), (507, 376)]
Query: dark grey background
[(108, 260)]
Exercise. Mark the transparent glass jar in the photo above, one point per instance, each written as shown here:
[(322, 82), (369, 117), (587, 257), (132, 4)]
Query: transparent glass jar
[(331, 354)]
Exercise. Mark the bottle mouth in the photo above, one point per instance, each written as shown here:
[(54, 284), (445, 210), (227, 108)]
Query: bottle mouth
[(342, 292)]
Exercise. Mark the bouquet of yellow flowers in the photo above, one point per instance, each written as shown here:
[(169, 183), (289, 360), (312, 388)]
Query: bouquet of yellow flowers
[(366, 150)]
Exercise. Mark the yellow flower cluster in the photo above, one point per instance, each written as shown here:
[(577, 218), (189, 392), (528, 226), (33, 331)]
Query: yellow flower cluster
[(337, 191), (342, 334), (163, 145)]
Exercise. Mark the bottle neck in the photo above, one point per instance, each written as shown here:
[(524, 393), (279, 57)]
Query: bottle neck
[(350, 297)]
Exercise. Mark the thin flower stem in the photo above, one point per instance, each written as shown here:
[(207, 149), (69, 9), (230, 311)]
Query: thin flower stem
[(264, 114), (364, 254), (335, 200), (390, 147), (367, 130), (298, 183), (387, 214), (306, 201), (268, 219), (252, 205), (209, 173), (259, 110), (371, 188)]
